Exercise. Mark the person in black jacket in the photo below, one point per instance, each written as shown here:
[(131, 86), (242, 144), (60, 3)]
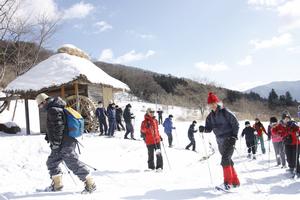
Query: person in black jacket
[(62, 146), (119, 113), (101, 115), (111, 115), (128, 116), (250, 139), (191, 132), (225, 126)]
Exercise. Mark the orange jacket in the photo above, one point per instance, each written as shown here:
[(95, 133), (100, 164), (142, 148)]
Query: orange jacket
[(149, 128)]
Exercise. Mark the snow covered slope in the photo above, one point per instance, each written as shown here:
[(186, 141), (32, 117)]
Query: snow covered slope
[(121, 163)]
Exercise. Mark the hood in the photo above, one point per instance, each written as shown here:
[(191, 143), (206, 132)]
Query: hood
[(56, 102)]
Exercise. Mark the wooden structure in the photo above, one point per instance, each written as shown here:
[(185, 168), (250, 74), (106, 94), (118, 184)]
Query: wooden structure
[(82, 92)]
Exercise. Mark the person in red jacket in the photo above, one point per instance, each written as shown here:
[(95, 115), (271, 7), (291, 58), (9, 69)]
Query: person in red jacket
[(277, 133), (260, 129), (150, 133), (291, 141)]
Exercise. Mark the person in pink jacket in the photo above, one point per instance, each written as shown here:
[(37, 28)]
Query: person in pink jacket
[(277, 132)]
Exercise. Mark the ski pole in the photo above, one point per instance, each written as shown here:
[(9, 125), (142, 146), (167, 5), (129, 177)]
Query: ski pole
[(166, 154), (95, 169), (205, 151), (69, 173), (297, 159)]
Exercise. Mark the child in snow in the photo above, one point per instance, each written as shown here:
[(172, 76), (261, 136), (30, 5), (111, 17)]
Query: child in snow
[(260, 129), (168, 127), (101, 115), (226, 127), (150, 133), (250, 139), (191, 132)]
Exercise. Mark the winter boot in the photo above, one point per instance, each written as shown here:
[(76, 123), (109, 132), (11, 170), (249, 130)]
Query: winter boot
[(89, 185), (235, 179), (56, 184), (249, 155), (254, 157)]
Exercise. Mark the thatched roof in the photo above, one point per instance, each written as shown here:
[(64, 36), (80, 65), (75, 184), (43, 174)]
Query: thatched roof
[(60, 69)]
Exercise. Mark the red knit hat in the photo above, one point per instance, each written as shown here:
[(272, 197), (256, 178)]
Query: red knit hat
[(212, 98)]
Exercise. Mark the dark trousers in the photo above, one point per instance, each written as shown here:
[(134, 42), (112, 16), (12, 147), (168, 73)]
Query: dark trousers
[(129, 129), (66, 153), (152, 148), (102, 126), (192, 143), (111, 127), (251, 146), (170, 139), (120, 125), (160, 120), (293, 161), (226, 148)]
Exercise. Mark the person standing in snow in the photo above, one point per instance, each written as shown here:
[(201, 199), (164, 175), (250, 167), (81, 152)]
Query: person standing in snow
[(128, 116), (291, 140), (119, 114), (62, 146), (260, 129), (250, 138), (225, 126), (277, 133), (111, 115), (191, 132), (150, 133), (101, 115), (160, 117), (168, 127)]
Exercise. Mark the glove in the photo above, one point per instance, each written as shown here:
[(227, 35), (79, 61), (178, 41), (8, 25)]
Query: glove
[(54, 147), (231, 140), (46, 138), (201, 128), (161, 139), (174, 127)]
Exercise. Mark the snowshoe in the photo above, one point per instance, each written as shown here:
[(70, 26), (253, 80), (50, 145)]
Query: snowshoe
[(223, 187)]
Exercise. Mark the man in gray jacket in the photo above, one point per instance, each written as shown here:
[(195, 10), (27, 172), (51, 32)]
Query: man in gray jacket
[(62, 146)]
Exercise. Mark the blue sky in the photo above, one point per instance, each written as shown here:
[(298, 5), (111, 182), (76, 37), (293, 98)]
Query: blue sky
[(236, 44)]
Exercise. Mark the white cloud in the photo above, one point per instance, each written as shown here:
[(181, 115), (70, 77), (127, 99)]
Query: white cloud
[(291, 8), (265, 3), (290, 14), (202, 66), (131, 56), (141, 35), (246, 61), (33, 10), (102, 26), (78, 10), (281, 40), (106, 55)]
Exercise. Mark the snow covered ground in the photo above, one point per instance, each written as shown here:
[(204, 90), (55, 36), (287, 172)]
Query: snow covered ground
[(121, 163)]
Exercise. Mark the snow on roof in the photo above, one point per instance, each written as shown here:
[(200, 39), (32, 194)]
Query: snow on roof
[(59, 69)]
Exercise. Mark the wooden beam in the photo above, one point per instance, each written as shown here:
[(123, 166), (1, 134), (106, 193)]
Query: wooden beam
[(77, 95), (27, 117), (62, 92)]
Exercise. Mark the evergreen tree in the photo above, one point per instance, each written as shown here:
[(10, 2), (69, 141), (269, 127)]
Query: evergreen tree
[(288, 99), (273, 100)]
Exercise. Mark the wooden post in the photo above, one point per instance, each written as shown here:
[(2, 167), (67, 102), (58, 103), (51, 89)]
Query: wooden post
[(27, 117), (62, 92), (77, 95)]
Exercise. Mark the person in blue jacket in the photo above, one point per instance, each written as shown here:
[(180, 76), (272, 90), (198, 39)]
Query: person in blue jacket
[(168, 127), (101, 115), (111, 115)]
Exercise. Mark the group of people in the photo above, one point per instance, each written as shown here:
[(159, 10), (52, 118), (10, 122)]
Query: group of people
[(114, 114), (220, 120), (283, 133)]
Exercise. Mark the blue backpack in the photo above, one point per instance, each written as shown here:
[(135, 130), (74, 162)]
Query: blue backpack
[(75, 122)]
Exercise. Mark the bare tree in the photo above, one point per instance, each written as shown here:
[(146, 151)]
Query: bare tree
[(21, 39)]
